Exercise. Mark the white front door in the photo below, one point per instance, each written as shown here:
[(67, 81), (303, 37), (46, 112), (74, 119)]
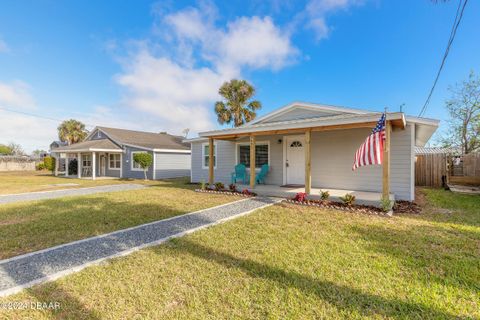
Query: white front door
[(102, 165), (295, 161)]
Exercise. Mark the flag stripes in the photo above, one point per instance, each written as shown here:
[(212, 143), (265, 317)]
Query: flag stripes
[(371, 151)]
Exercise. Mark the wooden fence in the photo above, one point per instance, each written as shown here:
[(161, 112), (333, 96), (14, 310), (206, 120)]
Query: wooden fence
[(429, 169)]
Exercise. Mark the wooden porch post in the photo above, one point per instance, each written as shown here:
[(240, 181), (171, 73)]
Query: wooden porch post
[(386, 162), (252, 161), (79, 165), (211, 177), (66, 165), (308, 174), (93, 165)]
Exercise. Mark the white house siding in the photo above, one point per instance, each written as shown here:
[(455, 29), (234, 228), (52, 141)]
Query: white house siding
[(332, 159), (299, 113), (172, 165)]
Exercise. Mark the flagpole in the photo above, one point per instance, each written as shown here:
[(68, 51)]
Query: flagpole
[(386, 160)]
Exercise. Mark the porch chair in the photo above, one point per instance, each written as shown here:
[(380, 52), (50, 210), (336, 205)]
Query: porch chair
[(240, 174), (260, 178)]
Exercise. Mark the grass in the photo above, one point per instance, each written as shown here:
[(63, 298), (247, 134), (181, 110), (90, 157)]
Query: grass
[(31, 181), (30, 226), (290, 262)]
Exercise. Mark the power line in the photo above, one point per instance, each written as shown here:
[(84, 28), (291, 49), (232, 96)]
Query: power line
[(453, 32), (37, 116)]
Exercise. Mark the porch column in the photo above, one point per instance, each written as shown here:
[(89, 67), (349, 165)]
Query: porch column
[(386, 162), (66, 165), (79, 165), (252, 161), (93, 165), (211, 178), (308, 174), (57, 164)]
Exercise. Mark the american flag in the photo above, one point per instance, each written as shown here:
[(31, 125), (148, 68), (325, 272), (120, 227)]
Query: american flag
[(371, 151)]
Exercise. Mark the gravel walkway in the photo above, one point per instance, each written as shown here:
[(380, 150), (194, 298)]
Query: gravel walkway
[(9, 198), (27, 270)]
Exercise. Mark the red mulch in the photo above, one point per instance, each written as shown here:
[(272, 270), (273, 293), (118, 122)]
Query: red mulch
[(406, 207)]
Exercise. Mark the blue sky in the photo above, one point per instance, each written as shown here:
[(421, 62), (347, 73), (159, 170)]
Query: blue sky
[(157, 65)]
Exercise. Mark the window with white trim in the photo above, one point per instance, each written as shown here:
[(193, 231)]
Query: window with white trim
[(206, 155), (262, 155), (114, 161), (86, 160), (135, 165)]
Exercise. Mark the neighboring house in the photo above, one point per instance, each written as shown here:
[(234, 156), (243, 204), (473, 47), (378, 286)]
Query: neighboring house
[(60, 157), (108, 152), (335, 133), (437, 150)]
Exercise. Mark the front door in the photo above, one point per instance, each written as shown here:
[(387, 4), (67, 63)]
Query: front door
[(102, 165), (295, 161)]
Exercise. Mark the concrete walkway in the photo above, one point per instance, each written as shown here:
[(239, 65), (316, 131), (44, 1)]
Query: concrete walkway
[(29, 269), (52, 194)]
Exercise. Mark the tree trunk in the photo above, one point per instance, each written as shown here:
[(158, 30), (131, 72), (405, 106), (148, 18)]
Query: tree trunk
[(145, 173)]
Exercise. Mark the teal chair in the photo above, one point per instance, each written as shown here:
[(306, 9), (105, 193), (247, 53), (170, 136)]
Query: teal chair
[(240, 174), (260, 178)]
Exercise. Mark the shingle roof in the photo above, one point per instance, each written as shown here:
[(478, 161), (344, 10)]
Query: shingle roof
[(101, 144), (148, 140)]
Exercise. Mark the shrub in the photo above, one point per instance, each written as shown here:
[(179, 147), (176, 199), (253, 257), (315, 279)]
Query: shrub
[(232, 187), (324, 195), (348, 199), (386, 204), (73, 167), (40, 166), (49, 163), (203, 185), (144, 160), (301, 196), (219, 186)]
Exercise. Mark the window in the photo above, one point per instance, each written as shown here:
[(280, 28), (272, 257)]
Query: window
[(135, 165), (114, 161), (86, 160), (206, 155), (261, 154), (296, 144)]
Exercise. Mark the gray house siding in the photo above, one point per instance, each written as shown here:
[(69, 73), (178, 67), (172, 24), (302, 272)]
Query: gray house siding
[(98, 135), (111, 172), (172, 165), (332, 159), (127, 168)]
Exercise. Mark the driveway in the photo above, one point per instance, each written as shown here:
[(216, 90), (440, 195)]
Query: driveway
[(41, 195)]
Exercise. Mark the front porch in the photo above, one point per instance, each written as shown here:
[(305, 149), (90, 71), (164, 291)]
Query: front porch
[(361, 197)]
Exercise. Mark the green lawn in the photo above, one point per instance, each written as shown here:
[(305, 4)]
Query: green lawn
[(30, 181), (290, 262), (30, 226)]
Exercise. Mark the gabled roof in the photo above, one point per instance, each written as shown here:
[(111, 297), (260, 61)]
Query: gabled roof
[(319, 109), (142, 139), (105, 145)]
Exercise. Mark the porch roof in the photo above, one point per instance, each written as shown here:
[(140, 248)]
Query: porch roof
[(344, 121), (101, 145)]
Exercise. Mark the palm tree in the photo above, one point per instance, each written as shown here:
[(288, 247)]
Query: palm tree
[(72, 131), (236, 108)]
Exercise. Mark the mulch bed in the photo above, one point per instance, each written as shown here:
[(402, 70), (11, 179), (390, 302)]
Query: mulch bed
[(228, 192), (406, 207), (338, 206)]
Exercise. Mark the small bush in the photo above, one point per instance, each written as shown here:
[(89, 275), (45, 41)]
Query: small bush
[(348, 199), (232, 187), (219, 186), (40, 166), (247, 192), (301, 196), (324, 195), (49, 163), (73, 167), (203, 185), (386, 204)]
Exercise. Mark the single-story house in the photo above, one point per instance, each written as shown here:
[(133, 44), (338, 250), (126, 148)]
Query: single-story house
[(308, 146), (108, 152)]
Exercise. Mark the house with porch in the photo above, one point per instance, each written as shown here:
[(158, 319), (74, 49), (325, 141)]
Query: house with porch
[(304, 147), (108, 152)]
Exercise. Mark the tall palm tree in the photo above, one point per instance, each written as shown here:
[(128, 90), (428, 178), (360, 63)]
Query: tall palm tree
[(72, 131), (237, 107)]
